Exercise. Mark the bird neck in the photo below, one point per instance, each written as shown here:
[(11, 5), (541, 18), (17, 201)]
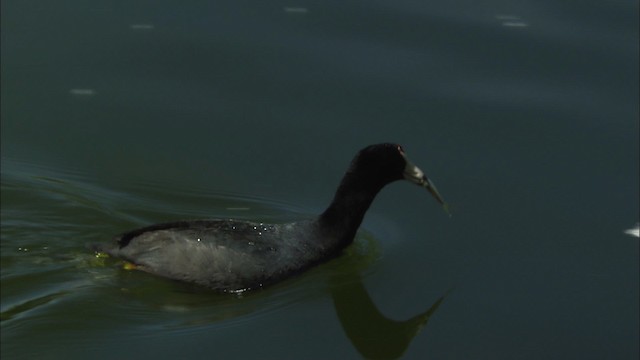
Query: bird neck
[(345, 213)]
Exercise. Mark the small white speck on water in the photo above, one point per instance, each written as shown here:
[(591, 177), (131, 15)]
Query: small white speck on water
[(82, 92), (507, 17), (511, 21), (295, 10), (142, 27), (633, 231), (515, 24)]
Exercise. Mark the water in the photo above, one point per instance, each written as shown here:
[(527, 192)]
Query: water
[(117, 115)]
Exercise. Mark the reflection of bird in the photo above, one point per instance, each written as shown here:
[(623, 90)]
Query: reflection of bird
[(234, 256), (373, 334)]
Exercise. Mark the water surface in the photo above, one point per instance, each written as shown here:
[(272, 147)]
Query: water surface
[(117, 115)]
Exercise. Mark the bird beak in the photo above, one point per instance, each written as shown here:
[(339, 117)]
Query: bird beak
[(417, 176)]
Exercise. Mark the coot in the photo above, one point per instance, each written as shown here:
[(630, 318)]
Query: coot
[(236, 256)]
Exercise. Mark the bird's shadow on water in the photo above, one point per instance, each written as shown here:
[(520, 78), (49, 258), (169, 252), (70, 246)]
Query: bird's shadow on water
[(371, 332)]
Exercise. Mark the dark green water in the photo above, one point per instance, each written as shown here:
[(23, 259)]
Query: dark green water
[(121, 114)]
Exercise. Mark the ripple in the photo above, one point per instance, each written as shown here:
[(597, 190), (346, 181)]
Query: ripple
[(28, 305), (50, 214)]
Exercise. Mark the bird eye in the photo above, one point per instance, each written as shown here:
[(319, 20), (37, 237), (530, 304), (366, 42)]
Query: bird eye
[(400, 149)]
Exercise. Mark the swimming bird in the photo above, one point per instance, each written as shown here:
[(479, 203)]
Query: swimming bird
[(236, 256)]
